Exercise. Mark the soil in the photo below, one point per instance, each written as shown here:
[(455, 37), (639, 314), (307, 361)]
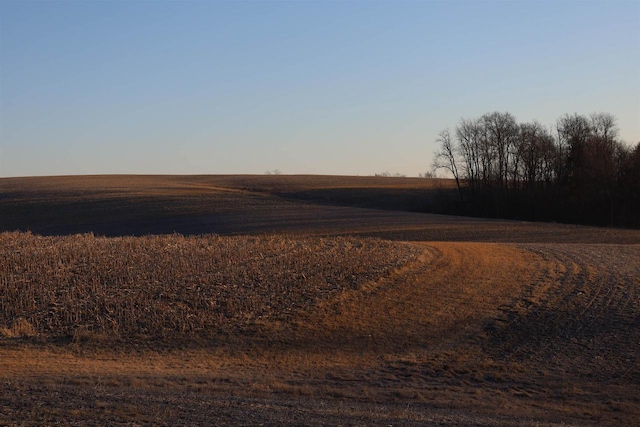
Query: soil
[(493, 323)]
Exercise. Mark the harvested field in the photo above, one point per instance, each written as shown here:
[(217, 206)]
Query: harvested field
[(131, 205), (580, 313), (459, 321), (173, 287)]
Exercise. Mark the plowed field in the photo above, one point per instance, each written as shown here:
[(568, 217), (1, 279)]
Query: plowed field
[(456, 322)]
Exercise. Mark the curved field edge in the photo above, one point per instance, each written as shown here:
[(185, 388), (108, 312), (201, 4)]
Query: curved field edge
[(125, 205), (461, 333), (174, 289)]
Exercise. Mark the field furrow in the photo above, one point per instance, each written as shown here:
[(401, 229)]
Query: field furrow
[(534, 331), (303, 312), (585, 318)]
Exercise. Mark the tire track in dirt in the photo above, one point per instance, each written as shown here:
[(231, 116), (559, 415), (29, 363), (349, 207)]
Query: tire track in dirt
[(442, 300), (481, 331), (535, 327), (582, 316), (443, 330)]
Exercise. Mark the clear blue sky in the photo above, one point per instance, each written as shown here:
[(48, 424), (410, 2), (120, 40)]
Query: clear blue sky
[(325, 87)]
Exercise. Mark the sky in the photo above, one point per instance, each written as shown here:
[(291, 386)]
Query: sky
[(305, 87)]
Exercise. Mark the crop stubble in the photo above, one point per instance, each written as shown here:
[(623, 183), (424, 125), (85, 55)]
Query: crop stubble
[(297, 329), (534, 331), (174, 286)]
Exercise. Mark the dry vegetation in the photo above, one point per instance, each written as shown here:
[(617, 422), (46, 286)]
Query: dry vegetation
[(473, 322), (174, 288)]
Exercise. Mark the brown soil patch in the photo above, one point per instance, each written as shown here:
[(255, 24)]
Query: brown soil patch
[(129, 205), (466, 334), (279, 321)]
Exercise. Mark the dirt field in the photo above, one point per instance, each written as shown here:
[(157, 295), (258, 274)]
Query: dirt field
[(305, 313)]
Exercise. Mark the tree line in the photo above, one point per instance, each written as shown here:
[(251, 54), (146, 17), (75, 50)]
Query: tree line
[(578, 171)]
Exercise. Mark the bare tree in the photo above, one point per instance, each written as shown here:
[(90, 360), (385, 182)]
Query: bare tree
[(445, 158), (469, 136), (573, 136), (603, 125), (535, 148), (582, 173), (500, 131)]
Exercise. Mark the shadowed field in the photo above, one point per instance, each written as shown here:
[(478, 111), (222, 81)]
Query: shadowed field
[(122, 205), (307, 317)]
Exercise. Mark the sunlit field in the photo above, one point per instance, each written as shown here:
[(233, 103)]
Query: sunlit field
[(284, 300)]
